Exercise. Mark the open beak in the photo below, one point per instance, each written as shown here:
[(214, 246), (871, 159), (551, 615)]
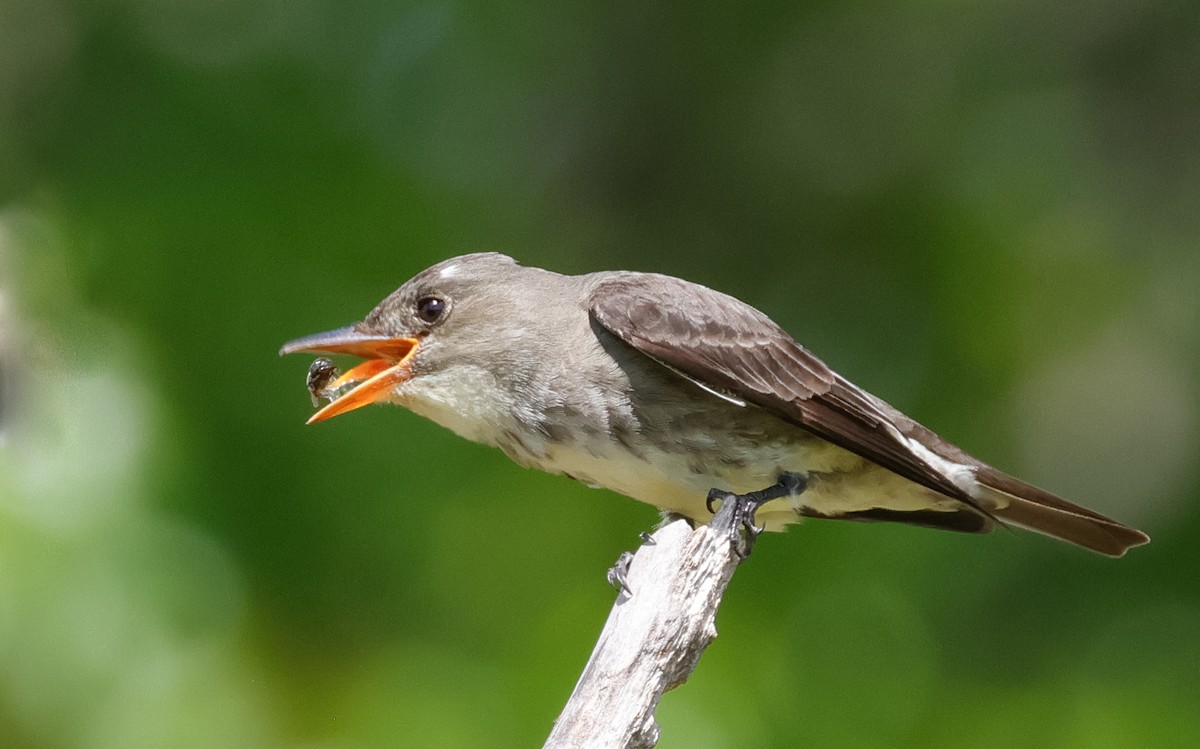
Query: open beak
[(386, 365)]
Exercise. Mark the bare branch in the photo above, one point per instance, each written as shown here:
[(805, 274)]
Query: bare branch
[(657, 630)]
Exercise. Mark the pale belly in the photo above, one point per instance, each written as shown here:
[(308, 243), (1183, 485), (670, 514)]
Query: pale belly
[(750, 452), (839, 481)]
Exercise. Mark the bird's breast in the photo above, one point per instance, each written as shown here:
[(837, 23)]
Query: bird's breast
[(670, 469), (664, 443)]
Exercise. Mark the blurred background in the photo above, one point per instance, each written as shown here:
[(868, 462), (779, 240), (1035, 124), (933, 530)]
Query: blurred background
[(987, 213)]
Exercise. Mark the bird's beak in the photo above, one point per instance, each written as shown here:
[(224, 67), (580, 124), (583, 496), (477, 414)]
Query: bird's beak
[(386, 365)]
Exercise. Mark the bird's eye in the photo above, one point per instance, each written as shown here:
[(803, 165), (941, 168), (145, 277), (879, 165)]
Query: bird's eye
[(431, 308)]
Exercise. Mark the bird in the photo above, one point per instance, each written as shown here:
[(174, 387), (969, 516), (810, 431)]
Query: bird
[(671, 393)]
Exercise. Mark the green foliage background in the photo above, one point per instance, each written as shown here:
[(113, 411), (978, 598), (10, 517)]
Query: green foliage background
[(985, 212)]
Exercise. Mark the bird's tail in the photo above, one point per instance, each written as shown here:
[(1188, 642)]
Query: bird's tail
[(1014, 502)]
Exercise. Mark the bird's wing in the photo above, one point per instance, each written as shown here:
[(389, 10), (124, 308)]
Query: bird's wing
[(728, 346)]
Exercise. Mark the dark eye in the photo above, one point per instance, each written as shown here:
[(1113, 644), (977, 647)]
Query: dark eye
[(431, 308)]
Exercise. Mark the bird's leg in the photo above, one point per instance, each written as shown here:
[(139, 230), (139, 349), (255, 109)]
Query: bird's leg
[(746, 505)]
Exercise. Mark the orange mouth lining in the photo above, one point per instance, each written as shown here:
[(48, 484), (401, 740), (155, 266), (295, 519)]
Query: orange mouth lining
[(387, 365)]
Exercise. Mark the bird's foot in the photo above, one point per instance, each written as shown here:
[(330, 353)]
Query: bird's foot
[(740, 519)]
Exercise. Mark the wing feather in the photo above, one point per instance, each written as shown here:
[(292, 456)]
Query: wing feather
[(729, 346)]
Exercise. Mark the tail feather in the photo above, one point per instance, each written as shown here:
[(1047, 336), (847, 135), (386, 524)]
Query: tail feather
[(1016, 503)]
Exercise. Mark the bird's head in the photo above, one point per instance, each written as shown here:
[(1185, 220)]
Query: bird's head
[(444, 319)]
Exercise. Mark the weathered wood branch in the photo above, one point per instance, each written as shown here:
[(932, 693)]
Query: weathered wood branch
[(656, 632)]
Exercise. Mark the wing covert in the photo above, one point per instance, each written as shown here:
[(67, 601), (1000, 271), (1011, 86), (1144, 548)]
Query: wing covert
[(729, 346), (710, 336)]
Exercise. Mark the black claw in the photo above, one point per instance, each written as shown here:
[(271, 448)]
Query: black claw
[(647, 538), (742, 527), (751, 528), (747, 507), (715, 495)]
